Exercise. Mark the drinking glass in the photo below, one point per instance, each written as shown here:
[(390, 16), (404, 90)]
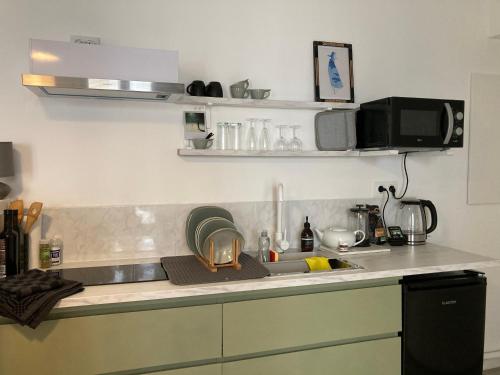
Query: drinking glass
[(251, 135), (295, 143), (265, 137), (237, 136), (230, 136), (221, 142), (281, 144)]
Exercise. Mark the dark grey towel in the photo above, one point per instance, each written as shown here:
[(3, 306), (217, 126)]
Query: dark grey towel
[(29, 283), (28, 303)]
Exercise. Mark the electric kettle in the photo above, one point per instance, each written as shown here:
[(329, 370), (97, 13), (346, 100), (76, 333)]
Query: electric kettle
[(413, 220)]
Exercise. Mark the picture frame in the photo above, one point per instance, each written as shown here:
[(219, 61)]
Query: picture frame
[(333, 72), (195, 124)]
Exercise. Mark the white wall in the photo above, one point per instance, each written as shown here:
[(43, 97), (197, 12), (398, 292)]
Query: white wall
[(85, 152)]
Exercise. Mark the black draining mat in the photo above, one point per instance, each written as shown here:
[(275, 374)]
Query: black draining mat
[(187, 270)]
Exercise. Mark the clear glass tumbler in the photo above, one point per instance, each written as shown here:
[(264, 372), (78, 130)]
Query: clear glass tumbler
[(237, 133)]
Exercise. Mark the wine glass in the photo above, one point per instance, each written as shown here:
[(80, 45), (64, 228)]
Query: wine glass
[(295, 144), (281, 144), (251, 136), (265, 137)]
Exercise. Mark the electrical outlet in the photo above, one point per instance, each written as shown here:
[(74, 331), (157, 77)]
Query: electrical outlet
[(386, 184)]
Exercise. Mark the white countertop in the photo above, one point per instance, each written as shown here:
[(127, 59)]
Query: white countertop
[(396, 263)]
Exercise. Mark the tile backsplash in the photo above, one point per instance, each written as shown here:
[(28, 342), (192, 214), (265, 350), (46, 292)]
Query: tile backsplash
[(125, 232)]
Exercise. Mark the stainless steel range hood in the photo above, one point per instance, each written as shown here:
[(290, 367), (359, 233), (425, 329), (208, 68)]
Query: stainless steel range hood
[(46, 85)]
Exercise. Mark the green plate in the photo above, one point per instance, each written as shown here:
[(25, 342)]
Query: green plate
[(197, 215)]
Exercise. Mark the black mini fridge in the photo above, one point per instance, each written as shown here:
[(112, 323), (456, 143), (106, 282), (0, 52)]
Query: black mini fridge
[(443, 323)]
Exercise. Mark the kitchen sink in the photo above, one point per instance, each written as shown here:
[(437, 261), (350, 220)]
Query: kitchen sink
[(293, 262)]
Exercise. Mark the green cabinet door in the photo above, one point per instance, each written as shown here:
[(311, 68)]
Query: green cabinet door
[(113, 342), (287, 322), (377, 357)]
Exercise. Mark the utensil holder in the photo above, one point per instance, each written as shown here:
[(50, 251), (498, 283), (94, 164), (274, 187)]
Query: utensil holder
[(210, 262)]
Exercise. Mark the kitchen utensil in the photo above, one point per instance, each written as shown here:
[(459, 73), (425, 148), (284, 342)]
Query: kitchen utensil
[(209, 136), (259, 93), (243, 84), (223, 241), (335, 237), (295, 144), (265, 136), (413, 220), (335, 130), (196, 88), (281, 144), (32, 215), (238, 92), (202, 144), (18, 205), (360, 221), (199, 214), (214, 89)]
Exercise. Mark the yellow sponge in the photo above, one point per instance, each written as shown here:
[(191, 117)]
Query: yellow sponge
[(318, 264)]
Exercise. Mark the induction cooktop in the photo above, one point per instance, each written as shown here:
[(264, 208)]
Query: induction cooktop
[(122, 274)]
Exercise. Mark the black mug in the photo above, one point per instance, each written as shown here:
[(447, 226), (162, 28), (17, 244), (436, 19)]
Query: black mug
[(196, 88), (214, 89)]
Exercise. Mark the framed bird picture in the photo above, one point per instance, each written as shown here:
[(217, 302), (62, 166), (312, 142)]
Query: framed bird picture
[(333, 78)]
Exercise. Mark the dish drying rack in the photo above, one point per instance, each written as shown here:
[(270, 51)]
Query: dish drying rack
[(210, 262)]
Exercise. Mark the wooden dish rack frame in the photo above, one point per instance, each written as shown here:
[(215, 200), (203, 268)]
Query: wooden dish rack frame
[(210, 262)]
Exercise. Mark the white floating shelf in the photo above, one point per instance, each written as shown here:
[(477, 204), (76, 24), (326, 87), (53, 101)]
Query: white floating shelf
[(301, 154), (255, 103)]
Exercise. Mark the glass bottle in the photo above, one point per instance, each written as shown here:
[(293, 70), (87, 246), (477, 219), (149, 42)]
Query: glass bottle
[(307, 237), (9, 242), (44, 253), (264, 244), (23, 248), (55, 250)]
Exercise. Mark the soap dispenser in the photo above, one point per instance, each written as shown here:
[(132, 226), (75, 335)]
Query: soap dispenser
[(307, 237)]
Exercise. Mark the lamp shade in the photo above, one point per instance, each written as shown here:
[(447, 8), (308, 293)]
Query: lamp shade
[(6, 159)]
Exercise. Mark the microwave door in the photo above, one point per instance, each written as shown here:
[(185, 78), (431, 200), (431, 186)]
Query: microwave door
[(448, 124), (420, 125)]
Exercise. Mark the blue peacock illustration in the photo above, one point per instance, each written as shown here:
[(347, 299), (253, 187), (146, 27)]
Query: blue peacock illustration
[(333, 73)]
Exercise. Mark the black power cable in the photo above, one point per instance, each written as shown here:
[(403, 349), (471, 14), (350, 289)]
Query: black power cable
[(382, 189), (392, 189)]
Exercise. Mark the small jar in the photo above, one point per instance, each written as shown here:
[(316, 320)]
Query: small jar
[(44, 248), (55, 251)]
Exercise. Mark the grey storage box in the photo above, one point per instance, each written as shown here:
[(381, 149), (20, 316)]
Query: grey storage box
[(335, 130)]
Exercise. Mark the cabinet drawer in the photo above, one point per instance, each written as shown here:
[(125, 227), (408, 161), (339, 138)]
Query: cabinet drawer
[(114, 342), (285, 322), (377, 357)]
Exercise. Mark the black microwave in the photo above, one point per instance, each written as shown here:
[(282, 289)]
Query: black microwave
[(410, 123)]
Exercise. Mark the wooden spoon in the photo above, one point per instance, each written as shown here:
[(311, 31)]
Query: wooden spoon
[(33, 213), (18, 205)]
